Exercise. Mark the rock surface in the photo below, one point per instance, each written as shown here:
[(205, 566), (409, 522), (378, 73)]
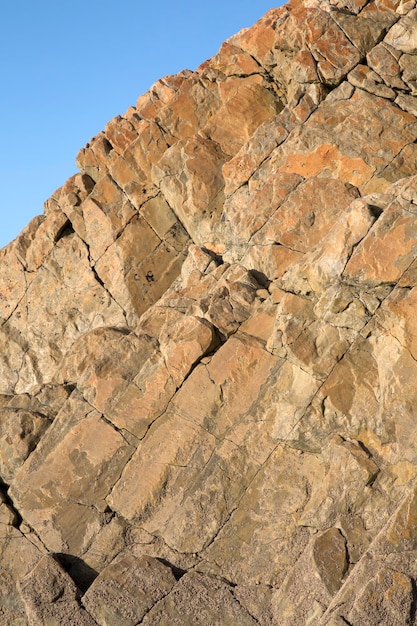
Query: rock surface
[(209, 348)]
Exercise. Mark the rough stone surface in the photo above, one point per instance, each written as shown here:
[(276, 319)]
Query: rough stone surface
[(51, 596), (127, 589), (208, 345)]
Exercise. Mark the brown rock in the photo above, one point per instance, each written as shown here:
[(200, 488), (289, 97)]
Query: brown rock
[(247, 103), (127, 589), (386, 261), (198, 598), (387, 597), (36, 338), (240, 168), (13, 282), (403, 35), (307, 215), (19, 552), (383, 59), (312, 582), (20, 431), (68, 510), (197, 196), (51, 597), (368, 80)]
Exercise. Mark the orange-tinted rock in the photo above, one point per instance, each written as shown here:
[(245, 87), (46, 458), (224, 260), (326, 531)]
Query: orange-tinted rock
[(388, 249), (64, 501), (247, 103), (191, 180), (307, 214), (208, 346)]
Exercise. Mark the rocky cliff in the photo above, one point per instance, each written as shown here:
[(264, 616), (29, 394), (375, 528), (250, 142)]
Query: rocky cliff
[(208, 409)]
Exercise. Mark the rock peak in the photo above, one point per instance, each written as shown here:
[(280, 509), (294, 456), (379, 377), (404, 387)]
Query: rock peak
[(208, 364)]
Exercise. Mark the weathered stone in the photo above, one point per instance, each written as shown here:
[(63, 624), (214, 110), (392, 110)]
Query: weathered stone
[(197, 194), (247, 103), (266, 137), (384, 60), (313, 581), (260, 543), (270, 261), (321, 268), (36, 339), (33, 251), (408, 65), (138, 267), (184, 344), (198, 598), (13, 279), (185, 451), (307, 215), (387, 250), (329, 553), (403, 35), (265, 201), (352, 155), (19, 553), (303, 338), (101, 218), (51, 597), (61, 489), (387, 597), (368, 80), (20, 431), (127, 589), (407, 103)]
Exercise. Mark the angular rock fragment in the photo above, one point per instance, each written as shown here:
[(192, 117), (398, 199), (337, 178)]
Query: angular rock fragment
[(198, 598), (127, 589), (51, 597)]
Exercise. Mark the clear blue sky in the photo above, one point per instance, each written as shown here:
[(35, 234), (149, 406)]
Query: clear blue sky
[(69, 67)]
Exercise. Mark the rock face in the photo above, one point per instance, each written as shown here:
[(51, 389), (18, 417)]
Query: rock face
[(208, 406)]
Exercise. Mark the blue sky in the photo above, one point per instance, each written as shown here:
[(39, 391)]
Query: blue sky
[(67, 68)]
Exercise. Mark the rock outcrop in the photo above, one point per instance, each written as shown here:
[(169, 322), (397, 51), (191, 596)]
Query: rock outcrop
[(208, 405)]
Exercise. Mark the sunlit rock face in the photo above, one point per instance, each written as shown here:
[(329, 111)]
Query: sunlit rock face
[(208, 364)]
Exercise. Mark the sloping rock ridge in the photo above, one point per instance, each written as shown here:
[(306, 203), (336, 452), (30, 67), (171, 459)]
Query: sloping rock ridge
[(208, 409)]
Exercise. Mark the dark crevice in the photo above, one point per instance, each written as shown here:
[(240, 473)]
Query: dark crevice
[(343, 10), (131, 439), (216, 257), (245, 608), (261, 278), (70, 387), (6, 499), (97, 277), (177, 571), (365, 449), (106, 145), (375, 211), (348, 562), (346, 621), (176, 215), (65, 231), (82, 574), (413, 607)]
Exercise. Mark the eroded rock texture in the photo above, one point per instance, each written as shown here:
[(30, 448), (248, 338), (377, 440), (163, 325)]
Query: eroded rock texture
[(208, 409)]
